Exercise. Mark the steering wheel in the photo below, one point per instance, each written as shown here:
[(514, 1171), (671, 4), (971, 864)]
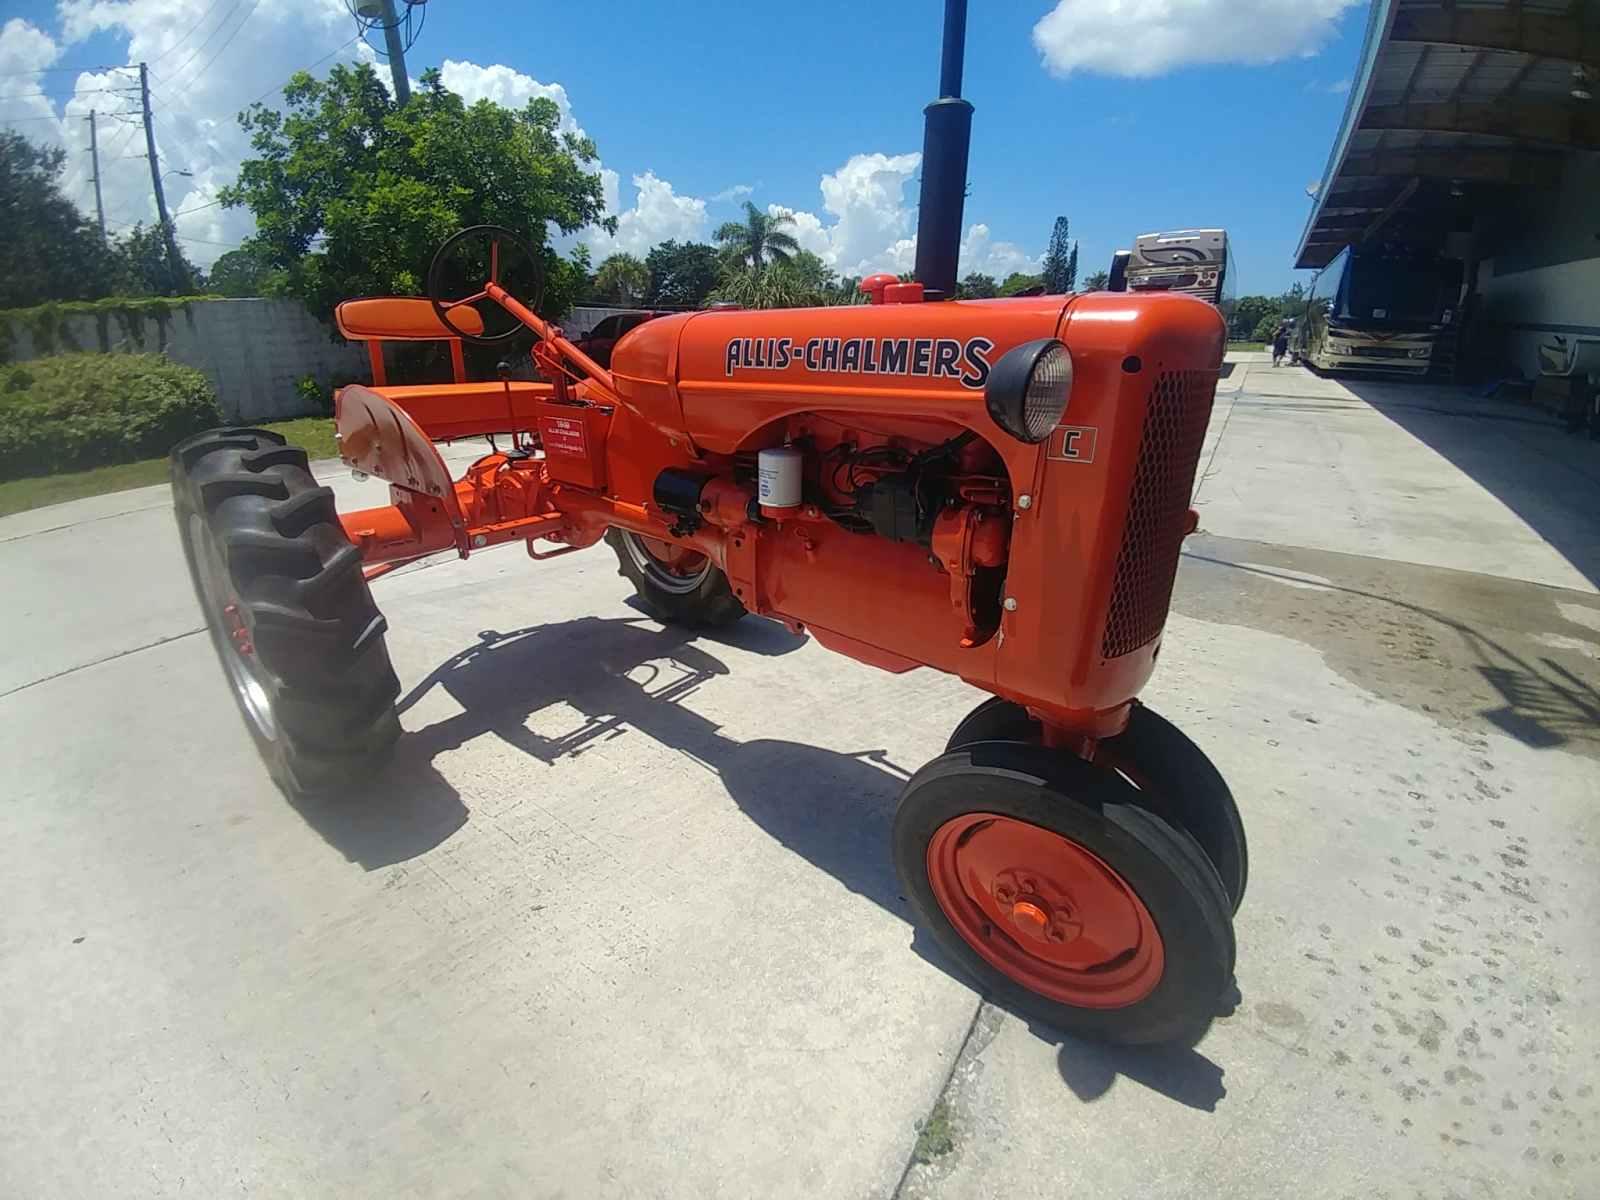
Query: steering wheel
[(498, 236)]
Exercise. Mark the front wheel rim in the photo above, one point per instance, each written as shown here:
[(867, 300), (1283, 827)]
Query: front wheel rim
[(1044, 911), (233, 639), (666, 566)]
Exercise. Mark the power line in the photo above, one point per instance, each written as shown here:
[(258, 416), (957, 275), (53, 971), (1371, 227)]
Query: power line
[(51, 70), (216, 29), (185, 211), (125, 138), (72, 96), (226, 43), (280, 86), (193, 29)]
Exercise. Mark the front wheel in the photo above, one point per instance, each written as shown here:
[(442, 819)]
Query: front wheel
[(1175, 779), (1067, 900), (678, 586)]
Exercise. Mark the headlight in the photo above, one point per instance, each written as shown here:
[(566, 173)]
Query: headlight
[(1422, 352), (1029, 387), (1335, 348)]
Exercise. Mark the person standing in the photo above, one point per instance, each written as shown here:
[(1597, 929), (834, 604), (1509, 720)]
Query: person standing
[(1280, 343)]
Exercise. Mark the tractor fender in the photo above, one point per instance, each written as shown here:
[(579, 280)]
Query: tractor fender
[(378, 437)]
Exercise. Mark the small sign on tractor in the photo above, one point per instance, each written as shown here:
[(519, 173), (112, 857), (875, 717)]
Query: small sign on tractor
[(892, 479)]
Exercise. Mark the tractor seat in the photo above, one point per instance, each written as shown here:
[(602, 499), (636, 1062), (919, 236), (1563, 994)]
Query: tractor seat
[(400, 319)]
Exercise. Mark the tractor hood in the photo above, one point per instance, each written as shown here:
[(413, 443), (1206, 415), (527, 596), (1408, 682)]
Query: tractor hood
[(720, 378)]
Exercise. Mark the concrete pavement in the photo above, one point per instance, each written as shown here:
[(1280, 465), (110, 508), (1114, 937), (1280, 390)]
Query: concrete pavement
[(622, 921)]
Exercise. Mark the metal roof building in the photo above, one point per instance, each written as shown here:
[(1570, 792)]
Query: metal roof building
[(1473, 129)]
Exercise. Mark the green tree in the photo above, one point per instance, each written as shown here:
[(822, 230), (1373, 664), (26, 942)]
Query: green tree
[(144, 267), (621, 279), (803, 281), (977, 287), (682, 274), (1061, 260), (244, 272), (1265, 328), (1016, 283), (807, 270), (48, 251), (352, 194), (759, 239), (1253, 311), (1096, 281)]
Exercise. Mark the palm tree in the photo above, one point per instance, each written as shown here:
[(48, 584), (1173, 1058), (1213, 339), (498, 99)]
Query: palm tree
[(759, 239), (621, 278)]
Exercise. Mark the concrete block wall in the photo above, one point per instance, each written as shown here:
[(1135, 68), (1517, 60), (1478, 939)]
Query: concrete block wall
[(254, 351)]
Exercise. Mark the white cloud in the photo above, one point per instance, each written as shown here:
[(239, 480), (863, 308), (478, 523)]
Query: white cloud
[(1339, 87), (980, 253), (658, 214), (207, 63), (505, 86), (874, 223), (1142, 38), (24, 52)]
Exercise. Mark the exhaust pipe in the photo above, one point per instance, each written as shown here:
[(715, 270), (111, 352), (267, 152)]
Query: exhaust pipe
[(946, 139)]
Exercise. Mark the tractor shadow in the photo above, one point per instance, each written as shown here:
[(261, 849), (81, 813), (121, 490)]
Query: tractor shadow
[(834, 809)]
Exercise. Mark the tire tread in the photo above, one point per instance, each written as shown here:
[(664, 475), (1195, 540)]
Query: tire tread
[(311, 614)]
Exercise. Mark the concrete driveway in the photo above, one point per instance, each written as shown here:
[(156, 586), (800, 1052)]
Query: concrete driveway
[(622, 920)]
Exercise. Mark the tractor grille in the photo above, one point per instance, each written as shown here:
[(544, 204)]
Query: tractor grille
[(1163, 482)]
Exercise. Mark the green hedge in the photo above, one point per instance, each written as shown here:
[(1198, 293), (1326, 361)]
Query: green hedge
[(73, 411)]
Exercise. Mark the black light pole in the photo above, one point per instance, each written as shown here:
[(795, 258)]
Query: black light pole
[(946, 138)]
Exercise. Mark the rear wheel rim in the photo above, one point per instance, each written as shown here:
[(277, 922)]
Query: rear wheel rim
[(670, 568), (1044, 911), (235, 645)]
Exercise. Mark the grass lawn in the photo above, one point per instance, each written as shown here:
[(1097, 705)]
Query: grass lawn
[(19, 495)]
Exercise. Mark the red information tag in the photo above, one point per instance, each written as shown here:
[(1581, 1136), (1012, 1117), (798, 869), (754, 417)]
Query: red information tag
[(563, 435)]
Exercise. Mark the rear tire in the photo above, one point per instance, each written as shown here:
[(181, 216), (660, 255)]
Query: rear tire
[(698, 597), (289, 612), (1176, 780), (1133, 941)]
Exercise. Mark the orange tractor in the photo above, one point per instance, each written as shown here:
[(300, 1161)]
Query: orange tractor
[(996, 489)]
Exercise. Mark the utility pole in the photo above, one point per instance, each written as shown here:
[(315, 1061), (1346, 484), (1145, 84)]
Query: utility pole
[(397, 54), (94, 158), (180, 277)]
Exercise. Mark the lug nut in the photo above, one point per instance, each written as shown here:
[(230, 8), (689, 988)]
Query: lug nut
[(1029, 918)]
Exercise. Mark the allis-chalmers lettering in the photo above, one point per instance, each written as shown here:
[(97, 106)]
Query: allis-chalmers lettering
[(935, 358)]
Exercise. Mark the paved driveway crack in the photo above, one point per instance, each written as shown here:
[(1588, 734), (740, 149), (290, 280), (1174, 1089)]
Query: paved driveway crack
[(22, 687)]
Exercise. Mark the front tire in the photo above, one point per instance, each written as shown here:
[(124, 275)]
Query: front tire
[(289, 612), (1175, 779), (678, 587), (1066, 899)]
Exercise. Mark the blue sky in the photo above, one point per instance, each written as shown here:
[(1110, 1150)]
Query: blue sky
[(1078, 112)]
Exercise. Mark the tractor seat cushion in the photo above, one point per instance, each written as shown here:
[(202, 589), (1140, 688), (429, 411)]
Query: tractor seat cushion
[(400, 319)]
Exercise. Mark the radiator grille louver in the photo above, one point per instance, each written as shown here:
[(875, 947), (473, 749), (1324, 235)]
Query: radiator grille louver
[(1163, 483)]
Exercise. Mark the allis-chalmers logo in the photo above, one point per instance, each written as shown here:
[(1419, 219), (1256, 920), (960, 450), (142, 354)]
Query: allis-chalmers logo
[(932, 358)]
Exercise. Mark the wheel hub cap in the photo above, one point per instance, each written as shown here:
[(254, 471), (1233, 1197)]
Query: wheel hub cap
[(1045, 911)]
